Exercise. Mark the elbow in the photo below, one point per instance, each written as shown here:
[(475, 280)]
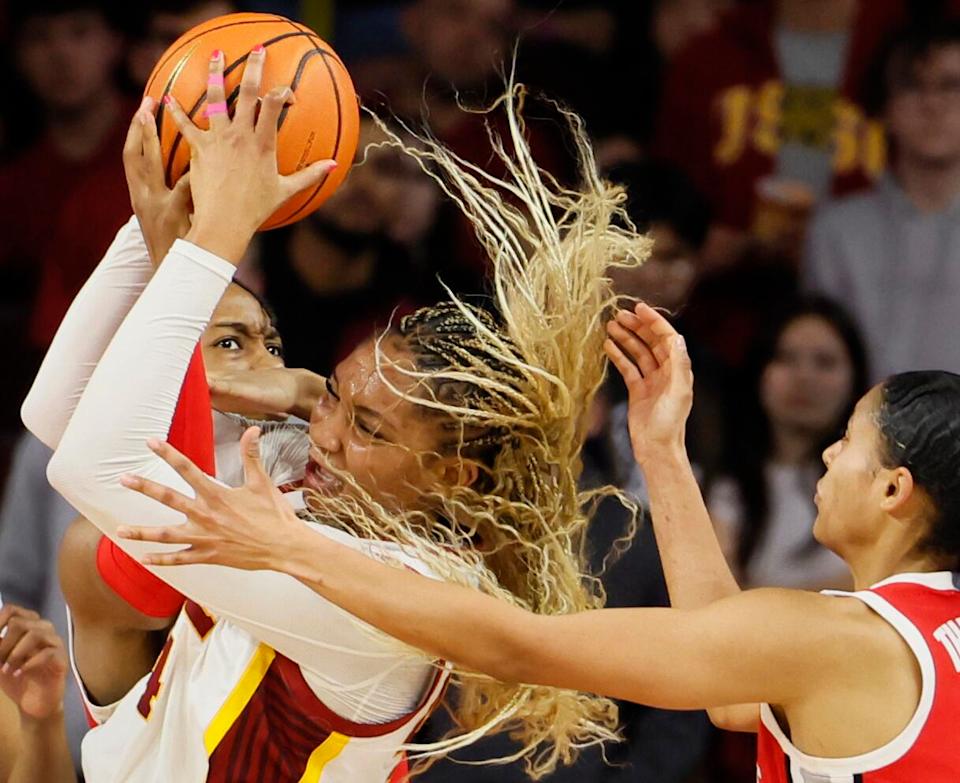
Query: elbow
[(737, 717), (69, 475), (33, 418)]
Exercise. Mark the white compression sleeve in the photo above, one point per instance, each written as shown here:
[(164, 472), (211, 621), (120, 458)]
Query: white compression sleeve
[(83, 335), (131, 397)]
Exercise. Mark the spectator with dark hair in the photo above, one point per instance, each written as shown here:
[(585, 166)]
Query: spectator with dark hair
[(67, 53), (764, 112), (806, 374), (164, 21), (893, 254)]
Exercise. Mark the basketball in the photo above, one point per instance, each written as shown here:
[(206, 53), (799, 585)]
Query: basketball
[(323, 122)]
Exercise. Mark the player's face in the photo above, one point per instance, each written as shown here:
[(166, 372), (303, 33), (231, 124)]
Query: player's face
[(363, 427), (808, 384), (240, 337), (850, 493)]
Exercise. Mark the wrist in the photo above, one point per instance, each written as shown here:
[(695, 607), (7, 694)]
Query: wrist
[(223, 239), (310, 388), (303, 552), (31, 724), (665, 453)]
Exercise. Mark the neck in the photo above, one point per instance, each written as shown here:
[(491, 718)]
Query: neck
[(816, 16), (339, 270), (791, 445), (874, 567), (78, 133), (930, 186)]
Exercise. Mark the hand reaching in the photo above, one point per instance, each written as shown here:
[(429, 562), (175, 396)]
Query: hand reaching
[(653, 360), (163, 213), (248, 527), (33, 664)]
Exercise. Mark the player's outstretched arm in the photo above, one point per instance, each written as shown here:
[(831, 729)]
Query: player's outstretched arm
[(33, 670), (750, 647)]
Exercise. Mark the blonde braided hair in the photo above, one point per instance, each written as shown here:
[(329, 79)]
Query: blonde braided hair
[(510, 390)]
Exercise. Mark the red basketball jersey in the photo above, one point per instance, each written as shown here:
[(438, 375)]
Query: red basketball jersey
[(925, 611)]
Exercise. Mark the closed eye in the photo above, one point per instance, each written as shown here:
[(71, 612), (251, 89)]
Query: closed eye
[(330, 390)]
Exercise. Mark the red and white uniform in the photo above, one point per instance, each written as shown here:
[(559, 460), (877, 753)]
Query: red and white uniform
[(268, 681), (925, 610)]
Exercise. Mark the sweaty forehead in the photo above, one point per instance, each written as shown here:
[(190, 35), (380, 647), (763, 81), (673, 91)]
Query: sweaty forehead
[(371, 381)]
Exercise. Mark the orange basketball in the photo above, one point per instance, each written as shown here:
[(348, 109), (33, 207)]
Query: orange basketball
[(322, 123)]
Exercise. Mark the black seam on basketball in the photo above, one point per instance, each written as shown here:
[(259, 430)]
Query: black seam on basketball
[(159, 66), (174, 75), (336, 144), (295, 82), (226, 72)]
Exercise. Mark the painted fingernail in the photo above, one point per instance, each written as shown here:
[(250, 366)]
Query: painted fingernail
[(217, 54), (258, 49), (167, 100)]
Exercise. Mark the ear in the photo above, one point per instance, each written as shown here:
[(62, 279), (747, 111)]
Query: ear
[(899, 491), (458, 472)]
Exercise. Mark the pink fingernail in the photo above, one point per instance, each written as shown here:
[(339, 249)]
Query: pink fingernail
[(217, 54), (257, 49), (167, 100), (18, 672)]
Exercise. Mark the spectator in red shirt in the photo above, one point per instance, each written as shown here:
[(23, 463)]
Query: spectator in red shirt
[(765, 113), (66, 53)]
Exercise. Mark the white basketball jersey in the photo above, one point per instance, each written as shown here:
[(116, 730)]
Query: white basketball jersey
[(219, 706)]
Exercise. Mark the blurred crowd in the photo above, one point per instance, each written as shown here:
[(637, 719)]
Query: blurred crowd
[(796, 161)]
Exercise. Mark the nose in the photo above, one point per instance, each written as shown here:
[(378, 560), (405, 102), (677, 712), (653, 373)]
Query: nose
[(830, 452), (326, 428)]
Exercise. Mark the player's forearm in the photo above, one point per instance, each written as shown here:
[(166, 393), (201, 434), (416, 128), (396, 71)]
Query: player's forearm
[(45, 755), (694, 567), (133, 392), (450, 621)]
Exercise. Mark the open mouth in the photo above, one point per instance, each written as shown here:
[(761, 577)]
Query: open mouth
[(319, 479)]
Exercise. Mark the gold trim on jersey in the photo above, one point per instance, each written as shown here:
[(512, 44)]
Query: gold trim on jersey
[(237, 701), (331, 747)]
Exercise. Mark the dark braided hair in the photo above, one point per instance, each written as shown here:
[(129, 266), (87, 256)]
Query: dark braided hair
[(444, 337), (919, 421)]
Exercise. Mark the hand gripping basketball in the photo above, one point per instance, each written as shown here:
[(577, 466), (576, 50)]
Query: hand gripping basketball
[(233, 166)]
